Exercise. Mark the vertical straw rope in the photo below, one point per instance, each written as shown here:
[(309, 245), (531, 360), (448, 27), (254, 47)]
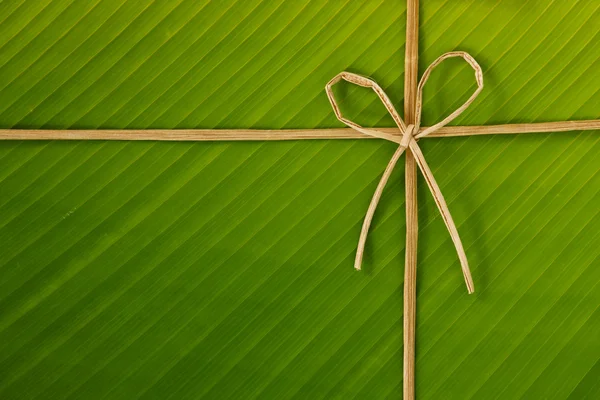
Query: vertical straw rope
[(411, 71)]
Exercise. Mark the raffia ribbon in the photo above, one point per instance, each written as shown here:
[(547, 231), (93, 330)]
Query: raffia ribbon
[(408, 139)]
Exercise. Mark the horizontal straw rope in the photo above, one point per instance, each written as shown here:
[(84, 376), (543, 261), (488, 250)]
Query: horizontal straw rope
[(220, 135)]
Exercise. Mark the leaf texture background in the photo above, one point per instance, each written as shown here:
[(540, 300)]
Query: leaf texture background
[(224, 270)]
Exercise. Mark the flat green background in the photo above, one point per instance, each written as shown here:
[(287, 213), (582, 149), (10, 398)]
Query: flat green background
[(224, 270)]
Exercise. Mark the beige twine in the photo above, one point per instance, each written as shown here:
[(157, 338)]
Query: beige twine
[(408, 139)]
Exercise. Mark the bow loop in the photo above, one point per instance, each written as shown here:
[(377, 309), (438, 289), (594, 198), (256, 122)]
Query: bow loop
[(478, 78), (363, 81)]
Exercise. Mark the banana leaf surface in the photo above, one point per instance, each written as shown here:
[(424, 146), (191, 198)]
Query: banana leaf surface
[(179, 270)]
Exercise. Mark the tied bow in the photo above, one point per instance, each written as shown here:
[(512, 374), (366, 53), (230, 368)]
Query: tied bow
[(408, 140)]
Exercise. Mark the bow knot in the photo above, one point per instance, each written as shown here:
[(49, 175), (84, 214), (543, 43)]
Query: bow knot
[(408, 140), (407, 136)]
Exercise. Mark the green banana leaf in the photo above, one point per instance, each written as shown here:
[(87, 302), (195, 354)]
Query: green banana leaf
[(144, 270)]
